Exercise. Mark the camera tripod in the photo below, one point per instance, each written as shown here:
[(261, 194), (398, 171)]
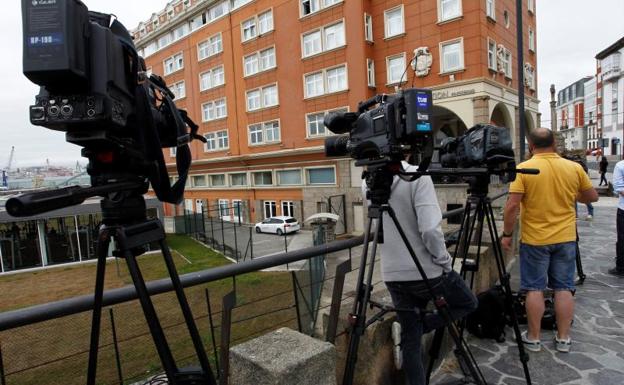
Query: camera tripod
[(125, 221), (379, 182), (479, 201)]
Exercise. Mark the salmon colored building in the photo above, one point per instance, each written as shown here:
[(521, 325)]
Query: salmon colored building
[(258, 76)]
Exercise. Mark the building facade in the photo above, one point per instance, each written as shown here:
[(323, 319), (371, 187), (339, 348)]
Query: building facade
[(571, 114), (259, 76), (590, 100), (610, 90)]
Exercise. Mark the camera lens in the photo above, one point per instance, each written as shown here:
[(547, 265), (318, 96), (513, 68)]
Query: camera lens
[(337, 145)]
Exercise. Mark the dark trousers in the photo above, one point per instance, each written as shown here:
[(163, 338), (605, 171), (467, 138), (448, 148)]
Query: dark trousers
[(603, 177), (619, 246), (414, 295)]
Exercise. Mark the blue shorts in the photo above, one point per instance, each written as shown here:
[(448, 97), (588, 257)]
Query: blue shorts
[(553, 264)]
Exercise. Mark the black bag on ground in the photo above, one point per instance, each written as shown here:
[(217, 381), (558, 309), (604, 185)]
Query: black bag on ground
[(549, 320), (489, 320)]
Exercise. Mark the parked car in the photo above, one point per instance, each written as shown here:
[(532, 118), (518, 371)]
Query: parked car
[(278, 225)]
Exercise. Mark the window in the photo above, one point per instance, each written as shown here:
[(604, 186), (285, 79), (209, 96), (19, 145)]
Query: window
[(209, 47), (311, 6), (321, 175), (217, 180), (368, 27), (531, 40), (262, 97), (288, 177), (490, 9), (393, 19), (198, 181), (323, 39), (449, 9), (531, 6), (452, 56), (395, 66), (370, 72), (259, 61), (178, 90), (265, 132), (173, 63), (214, 110), (507, 64), (257, 25), (181, 31), (224, 208), (216, 141), (265, 22), (315, 125), (211, 78), (326, 81), (187, 3), (263, 178), (491, 54), (288, 208), (506, 18), (164, 40), (238, 179), (269, 209), (249, 29)]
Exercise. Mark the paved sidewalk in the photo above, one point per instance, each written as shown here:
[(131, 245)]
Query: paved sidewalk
[(597, 355)]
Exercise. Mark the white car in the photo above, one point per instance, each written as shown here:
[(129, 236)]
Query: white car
[(278, 225)]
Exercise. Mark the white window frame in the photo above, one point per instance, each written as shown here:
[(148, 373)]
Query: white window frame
[(177, 63), (326, 132), (175, 89), (493, 65), (322, 32), (323, 74), (320, 5), (441, 18), (290, 205), (531, 40), (388, 59), (531, 6), (260, 60), (230, 175), (370, 72), (252, 27), (211, 78), (213, 137), (278, 181), (264, 128), (272, 206), (508, 63), (210, 47), (194, 185), (307, 176), (262, 94), (213, 105), (387, 31), (253, 178), (214, 175), (257, 32), (491, 13), (461, 66), (368, 27)]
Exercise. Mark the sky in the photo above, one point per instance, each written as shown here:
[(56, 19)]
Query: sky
[(569, 35)]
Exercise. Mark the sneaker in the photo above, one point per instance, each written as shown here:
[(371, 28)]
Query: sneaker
[(616, 272), (563, 346), (532, 345), (396, 338)]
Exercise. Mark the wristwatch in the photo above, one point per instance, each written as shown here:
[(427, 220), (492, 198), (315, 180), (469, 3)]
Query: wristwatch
[(507, 235)]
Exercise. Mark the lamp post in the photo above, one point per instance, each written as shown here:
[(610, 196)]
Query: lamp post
[(520, 56)]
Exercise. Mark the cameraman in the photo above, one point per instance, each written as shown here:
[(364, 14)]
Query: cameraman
[(417, 210)]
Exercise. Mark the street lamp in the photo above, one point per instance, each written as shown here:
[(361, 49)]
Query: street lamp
[(520, 56)]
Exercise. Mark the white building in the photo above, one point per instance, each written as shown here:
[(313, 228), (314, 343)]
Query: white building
[(570, 114), (591, 111), (611, 96)]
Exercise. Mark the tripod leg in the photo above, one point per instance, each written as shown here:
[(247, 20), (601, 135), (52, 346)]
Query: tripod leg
[(504, 280), (186, 311), (442, 306), (359, 305), (579, 264), (102, 253), (434, 352)]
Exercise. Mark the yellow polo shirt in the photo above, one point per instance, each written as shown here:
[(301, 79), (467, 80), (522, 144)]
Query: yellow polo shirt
[(547, 214)]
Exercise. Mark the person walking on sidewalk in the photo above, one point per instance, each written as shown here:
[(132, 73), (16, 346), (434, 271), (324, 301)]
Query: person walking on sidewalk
[(618, 187), (548, 238), (603, 171)]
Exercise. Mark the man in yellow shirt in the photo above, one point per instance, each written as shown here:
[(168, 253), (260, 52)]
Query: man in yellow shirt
[(548, 223)]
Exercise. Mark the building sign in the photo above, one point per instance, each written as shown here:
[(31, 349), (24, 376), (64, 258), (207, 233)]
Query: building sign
[(437, 95)]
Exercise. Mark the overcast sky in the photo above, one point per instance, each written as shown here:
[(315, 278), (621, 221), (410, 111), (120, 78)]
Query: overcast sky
[(569, 35)]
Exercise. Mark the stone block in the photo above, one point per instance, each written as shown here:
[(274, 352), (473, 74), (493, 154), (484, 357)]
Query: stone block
[(283, 357)]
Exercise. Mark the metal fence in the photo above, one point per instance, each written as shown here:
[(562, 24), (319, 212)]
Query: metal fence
[(48, 344)]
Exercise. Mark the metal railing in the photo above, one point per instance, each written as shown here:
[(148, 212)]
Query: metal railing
[(125, 342)]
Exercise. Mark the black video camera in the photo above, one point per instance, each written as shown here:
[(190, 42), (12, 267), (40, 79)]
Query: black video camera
[(398, 124), (94, 87)]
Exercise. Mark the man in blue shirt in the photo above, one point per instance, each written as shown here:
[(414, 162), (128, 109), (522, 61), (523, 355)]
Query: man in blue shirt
[(618, 187)]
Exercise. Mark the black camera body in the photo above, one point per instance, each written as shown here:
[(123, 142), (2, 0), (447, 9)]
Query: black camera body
[(482, 145), (84, 68), (385, 126)]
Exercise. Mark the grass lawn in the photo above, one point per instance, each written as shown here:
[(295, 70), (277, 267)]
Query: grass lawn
[(55, 351)]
